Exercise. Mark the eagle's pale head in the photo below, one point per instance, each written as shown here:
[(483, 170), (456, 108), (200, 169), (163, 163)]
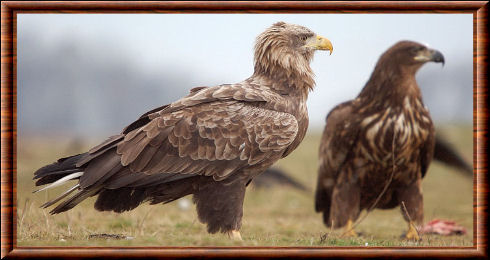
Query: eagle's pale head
[(286, 50)]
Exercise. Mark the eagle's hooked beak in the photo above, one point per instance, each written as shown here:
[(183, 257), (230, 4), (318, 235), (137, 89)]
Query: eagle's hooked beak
[(437, 56), (430, 55), (320, 43)]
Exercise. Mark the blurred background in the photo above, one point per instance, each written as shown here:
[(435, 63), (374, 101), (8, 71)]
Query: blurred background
[(90, 75), (83, 77)]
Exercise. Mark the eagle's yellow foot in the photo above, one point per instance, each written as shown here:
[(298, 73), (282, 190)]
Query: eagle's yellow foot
[(349, 230), (235, 235), (412, 233)]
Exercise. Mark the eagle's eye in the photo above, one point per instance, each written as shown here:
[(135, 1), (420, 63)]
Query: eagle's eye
[(416, 49), (303, 37)]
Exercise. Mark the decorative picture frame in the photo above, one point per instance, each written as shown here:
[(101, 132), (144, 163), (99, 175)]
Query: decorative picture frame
[(10, 10)]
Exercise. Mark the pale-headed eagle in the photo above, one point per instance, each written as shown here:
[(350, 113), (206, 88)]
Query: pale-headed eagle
[(210, 144), (385, 134)]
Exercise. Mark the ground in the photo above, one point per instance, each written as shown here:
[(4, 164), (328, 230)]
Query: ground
[(275, 217)]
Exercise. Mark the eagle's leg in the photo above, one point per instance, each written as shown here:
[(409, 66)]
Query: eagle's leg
[(344, 209), (235, 235), (412, 207), (220, 206), (349, 229), (412, 233)]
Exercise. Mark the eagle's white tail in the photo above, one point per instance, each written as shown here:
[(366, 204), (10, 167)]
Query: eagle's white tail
[(61, 181)]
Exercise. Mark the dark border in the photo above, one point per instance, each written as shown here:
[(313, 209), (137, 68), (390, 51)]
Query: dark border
[(9, 11)]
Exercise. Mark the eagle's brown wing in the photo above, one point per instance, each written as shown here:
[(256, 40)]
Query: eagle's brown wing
[(427, 152), (339, 136), (212, 132)]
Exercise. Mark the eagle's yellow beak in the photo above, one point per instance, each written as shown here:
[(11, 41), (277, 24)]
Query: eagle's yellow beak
[(320, 43)]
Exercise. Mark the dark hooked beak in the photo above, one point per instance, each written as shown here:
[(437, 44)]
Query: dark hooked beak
[(430, 55), (436, 56)]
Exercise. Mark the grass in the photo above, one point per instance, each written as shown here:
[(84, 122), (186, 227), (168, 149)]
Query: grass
[(272, 217)]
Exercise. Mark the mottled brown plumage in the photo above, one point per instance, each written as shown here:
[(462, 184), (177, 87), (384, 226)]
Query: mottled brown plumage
[(387, 123), (210, 144)]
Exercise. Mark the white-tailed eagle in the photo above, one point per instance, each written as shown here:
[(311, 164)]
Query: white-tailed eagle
[(210, 144)]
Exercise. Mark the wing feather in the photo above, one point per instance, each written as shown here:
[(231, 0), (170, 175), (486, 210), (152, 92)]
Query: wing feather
[(239, 136), (212, 132), (427, 152), (339, 136)]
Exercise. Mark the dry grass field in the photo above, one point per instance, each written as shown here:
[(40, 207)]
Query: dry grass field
[(279, 216)]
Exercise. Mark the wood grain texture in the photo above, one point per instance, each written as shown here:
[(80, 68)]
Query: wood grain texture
[(247, 7), (480, 127), (262, 252), (9, 11), (8, 169)]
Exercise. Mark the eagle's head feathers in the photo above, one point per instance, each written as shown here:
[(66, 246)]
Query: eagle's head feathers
[(410, 55), (394, 75), (286, 50)]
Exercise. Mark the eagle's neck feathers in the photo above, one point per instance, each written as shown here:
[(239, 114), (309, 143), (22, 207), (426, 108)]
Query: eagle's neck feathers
[(288, 70), (389, 85)]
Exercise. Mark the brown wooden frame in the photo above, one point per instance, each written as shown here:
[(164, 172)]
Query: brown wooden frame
[(9, 11)]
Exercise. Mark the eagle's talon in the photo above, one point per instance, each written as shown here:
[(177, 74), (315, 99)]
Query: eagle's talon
[(349, 230), (412, 237), (412, 233), (350, 234)]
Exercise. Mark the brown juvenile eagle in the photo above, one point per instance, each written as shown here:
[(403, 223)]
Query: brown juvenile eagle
[(385, 134), (210, 144)]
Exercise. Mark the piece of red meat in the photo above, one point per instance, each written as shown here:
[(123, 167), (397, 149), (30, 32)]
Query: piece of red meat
[(443, 227)]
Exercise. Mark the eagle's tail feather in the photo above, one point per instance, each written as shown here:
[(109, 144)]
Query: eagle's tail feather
[(60, 171), (74, 200), (61, 181), (66, 193), (60, 166), (118, 188)]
